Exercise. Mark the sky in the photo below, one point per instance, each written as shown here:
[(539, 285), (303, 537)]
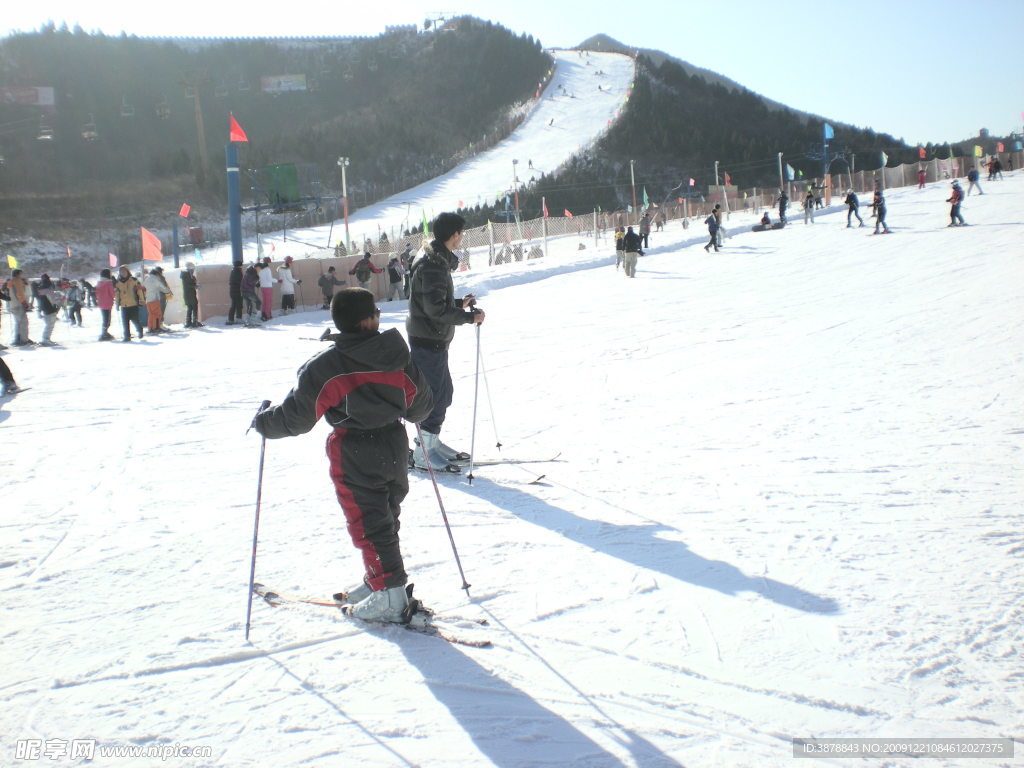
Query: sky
[(922, 72)]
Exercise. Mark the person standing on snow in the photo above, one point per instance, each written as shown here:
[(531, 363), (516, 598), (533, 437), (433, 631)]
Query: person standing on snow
[(19, 306), (327, 283), (783, 204), (630, 252), (433, 314), (190, 295), (853, 205), (105, 291), (955, 219), (288, 283), (645, 229), (620, 254), (712, 222), (130, 296), (155, 288), (809, 207), (364, 271), (396, 276), (362, 386), (878, 207), (235, 294), (251, 293), (48, 302), (267, 288), (972, 182)]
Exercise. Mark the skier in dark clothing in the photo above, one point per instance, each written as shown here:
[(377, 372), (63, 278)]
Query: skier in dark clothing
[(8, 386), (433, 314), (853, 207), (712, 222), (190, 294), (363, 385), (783, 203), (631, 251), (878, 206), (327, 283), (235, 294), (364, 271)]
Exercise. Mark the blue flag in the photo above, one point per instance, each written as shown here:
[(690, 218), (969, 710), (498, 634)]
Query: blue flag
[(789, 172), (829, 133)]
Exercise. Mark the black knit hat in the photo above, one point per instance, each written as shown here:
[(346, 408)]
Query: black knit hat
[(350, 306), (446, 225)]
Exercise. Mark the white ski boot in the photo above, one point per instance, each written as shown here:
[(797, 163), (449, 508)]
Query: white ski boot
[(427, 454), (354, 595), (390, 605)]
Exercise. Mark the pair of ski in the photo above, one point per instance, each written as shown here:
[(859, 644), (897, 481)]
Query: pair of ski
[(456, 466), (458, 630)]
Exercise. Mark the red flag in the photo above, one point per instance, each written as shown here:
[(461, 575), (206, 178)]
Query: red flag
[(680, 201), (566, 212), (728, 181), (460, 203), (69, 251), (921, 153), (999, 147), (185, 210), (151, 250), (544, 207), (236, 134), (112, 259)]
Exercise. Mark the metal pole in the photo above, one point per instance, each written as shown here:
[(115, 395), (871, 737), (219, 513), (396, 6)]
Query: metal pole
[(256, 527), (782, 184), (234, 204), (632, 179), (343, 164)]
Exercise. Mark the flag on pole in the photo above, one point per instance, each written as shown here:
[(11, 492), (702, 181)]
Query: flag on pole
[(680, 201), (789, 172), (977, 151), (151, 250), (921, 153), (12, 262), (426, 225), (829, 133), (567, 213), (885, 159), (544, 207), (186, 209), (235, 132), (646, 203), (69, 251), (112, 259), (999, 147)]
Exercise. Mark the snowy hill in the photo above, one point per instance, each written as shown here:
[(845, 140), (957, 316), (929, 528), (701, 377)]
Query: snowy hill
[(571, 114), (787, 503)]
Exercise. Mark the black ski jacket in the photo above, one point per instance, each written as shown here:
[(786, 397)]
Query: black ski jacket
[(364, 381), (433, 309)]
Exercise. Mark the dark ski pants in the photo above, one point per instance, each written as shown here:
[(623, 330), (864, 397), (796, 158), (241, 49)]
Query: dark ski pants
[(434, 367), (105, 321), (130, 315), (235, 310), (954, 215), (370, 472), (853, 212)]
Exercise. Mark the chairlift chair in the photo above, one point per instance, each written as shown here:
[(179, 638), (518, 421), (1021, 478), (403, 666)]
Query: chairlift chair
[(163, 109), (45, 131), (89, 132), (243, 85), (127, 110)]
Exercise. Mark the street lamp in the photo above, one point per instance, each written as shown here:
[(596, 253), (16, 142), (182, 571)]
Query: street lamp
[(515, 186), (343, 164)]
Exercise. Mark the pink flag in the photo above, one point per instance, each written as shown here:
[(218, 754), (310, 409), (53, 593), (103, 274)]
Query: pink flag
[(69, 251), (566, 212), (692, 182), (185, 210), (235, 131), (112, 259)]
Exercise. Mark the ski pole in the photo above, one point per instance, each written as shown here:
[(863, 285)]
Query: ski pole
[(476, 391), (256, 527), (465, 584)]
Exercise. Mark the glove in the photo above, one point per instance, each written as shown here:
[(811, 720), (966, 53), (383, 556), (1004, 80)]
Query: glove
[(25, 304), (298, 282)]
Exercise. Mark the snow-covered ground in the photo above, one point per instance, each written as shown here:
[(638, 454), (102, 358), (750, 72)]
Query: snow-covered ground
[(787, 504), (570, 115)]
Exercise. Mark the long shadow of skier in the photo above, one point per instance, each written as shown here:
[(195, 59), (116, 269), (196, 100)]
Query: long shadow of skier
[(640, 545), (508, 725)]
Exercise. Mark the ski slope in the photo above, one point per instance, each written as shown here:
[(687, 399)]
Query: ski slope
[(787, 504), (564, 121)]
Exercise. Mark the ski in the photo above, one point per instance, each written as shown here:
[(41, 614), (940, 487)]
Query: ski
[(12, 393), (452, 629), (495, 462)]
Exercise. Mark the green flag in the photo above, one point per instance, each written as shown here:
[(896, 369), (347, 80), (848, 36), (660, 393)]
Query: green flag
[(426, 226), (646, 204)]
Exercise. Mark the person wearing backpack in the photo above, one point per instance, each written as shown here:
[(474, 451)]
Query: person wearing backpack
[(364, 270), (396, 278), (327, 282)]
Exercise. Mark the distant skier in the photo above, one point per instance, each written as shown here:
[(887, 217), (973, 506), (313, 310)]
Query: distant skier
[(645, 229), (922, 177), (783, 204), (327, 282), (712, 223), (364, 271), (809, 207), (955, 219), (972, 179), (853, 206), (631, 247), (878, 206), (363, 386)]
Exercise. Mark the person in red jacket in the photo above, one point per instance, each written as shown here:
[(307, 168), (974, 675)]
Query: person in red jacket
[(955, 219), (105, 291), (922, 175)]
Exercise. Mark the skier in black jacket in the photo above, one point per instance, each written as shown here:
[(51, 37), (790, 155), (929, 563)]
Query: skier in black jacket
[(433, 314), (235, 294), (362, 386)]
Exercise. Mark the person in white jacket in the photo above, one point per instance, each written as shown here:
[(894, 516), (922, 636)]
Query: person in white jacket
[(288, 283), (155, 287), (266, 287)]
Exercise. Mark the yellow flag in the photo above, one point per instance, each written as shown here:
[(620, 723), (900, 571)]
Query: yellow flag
[(12, 262), (977, 151)]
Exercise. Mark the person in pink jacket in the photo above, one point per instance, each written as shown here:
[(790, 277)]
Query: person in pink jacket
[(105, 301)]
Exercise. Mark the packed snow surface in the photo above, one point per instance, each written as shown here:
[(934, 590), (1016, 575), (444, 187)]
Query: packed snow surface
[(786, 503)]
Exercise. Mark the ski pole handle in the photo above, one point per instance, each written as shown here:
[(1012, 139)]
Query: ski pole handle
[(263, 406)]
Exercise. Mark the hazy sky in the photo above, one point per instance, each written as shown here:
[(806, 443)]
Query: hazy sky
[(921, 70)]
